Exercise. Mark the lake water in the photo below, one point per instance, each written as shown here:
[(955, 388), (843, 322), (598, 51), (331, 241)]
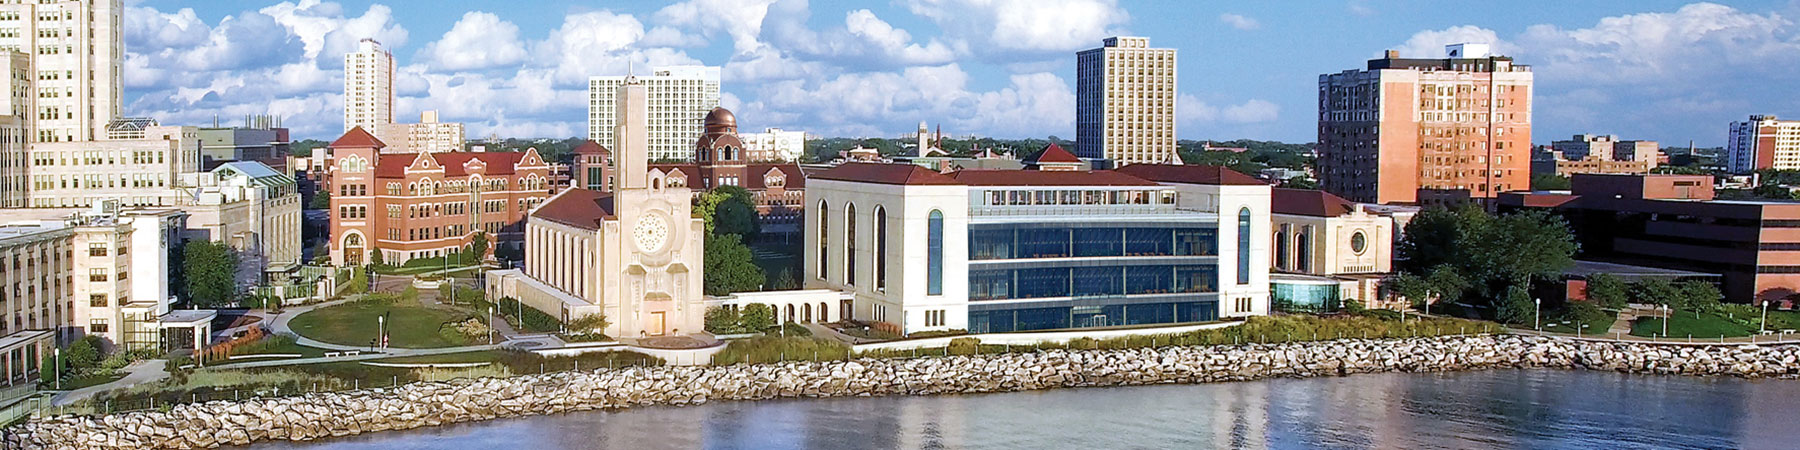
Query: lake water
[(1472, 410)]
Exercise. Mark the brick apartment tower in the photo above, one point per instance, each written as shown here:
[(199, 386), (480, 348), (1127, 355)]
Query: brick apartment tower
[(1423, 130)]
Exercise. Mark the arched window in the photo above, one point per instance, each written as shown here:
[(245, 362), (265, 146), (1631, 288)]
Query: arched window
[(824, 216), (881, 248), (850, 244), (1243, 247), (934, 254), (1303, 250), (1281, 249)]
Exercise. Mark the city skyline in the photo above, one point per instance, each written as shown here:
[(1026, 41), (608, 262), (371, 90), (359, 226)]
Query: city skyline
[(988, 68)]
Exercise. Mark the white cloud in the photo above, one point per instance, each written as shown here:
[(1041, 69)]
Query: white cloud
[(1239, 21), (741, 20), (1430, 43), (1360, 8), (328, 33), (156, 29), (479, 41), (878, 103), (1191, 110), (1697, 41), (1005, 30)]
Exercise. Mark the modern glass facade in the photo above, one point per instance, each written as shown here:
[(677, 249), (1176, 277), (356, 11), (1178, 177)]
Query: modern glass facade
[(1305, 296), (1091, 274)]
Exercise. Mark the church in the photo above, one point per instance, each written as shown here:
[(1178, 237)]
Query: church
[(632, 253)]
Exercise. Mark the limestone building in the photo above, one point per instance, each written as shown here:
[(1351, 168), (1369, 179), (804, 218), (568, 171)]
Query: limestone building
[(1125, 102), (680, 97), (143, 167), (368, 87), (633, 254), (252, 208), (75, 50), (429, 135)]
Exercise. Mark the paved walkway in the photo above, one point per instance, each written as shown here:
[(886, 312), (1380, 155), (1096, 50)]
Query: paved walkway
[(823, 331), (280, 325), (365, 356), (146, 371)]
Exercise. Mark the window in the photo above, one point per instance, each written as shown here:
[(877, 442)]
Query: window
[(97, 326), (96, 249), (1243, 247), (97, 300), (96, 274), (934, 254), (824, 237), (881, 248), (1303, 250), (850, 244), (1358, 242)]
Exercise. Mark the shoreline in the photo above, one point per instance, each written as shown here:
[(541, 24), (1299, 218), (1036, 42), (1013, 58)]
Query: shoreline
[(324, 415)]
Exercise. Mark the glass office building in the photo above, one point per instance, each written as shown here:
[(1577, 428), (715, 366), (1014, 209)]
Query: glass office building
[(1048, 258)]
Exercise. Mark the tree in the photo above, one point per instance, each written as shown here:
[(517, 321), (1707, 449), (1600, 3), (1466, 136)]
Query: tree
[(735, 213), (375, 259), (757, 317), (1699, 295), (730, 267), (1448, 285), (1657, 291), (1487, 252), (320, 200), (83, 353), (478, 247), (1607, 290), (210, 272), (784, 280), (1414, 289), (1517, 307), (588, 324), (1300, 183), (721, 320), (1549, 182), (1773, 192)]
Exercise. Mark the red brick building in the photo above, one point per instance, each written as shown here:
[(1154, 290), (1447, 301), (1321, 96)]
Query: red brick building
[(422, 205)]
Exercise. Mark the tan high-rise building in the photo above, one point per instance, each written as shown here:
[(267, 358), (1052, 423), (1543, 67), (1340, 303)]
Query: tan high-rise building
[(75, 49), (368, 87), (680, 98), (1125, 102), (1411, 130)]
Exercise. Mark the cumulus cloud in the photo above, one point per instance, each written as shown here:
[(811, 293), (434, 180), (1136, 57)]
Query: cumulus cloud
[(878, 103), (1007, 30), (1191, 110), (1430, 43), (479, 41), (1239, 21)]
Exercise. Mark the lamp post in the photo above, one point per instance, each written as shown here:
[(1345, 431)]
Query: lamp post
[(58, 356), (1764, 327), (1537, 313), (490, 332), (1665, 332), (381, 331)]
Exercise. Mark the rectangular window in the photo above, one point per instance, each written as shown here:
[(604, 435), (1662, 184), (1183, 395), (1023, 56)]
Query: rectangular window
[(96, 249), (97, 300), (96, 274), (97, 326)]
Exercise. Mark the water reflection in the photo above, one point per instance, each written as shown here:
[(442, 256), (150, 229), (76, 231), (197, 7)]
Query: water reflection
[(1494, 409)]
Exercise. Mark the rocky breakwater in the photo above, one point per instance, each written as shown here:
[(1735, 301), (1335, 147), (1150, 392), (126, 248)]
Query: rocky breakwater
[(324, 415)]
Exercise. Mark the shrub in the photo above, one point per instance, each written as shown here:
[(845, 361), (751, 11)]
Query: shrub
[(270, 344), (720, 320), (771, 349), (84, 353), (757, 316), (937, 333), (790, 329), (533, 319), (965, 346)]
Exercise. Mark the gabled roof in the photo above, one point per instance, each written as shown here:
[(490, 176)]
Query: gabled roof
[(904, 174), (1037, 178), (576, 207), (1190, 174), (1054, 154), (357, 138), (589, 147), (454, 163), (1308, 202)]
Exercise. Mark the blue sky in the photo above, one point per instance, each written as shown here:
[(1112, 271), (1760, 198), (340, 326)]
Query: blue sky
[(1644, 69)]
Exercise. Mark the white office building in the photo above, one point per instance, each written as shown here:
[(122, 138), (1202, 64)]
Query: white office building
[(1017, 250), (142, 171), (680, 98), (75, 49), (774, 144), (1125, 102), (368, 87)]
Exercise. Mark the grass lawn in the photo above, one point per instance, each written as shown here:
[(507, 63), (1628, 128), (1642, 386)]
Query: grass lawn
[(354, 323), (284, 348), (1597, 326), (1684, 323), (89, 380)]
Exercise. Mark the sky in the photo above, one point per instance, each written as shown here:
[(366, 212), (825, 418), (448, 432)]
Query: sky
[(1672, 71)]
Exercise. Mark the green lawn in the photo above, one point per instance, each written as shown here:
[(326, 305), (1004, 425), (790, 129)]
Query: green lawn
[(1596, 326), (354, 323), (287, 348), (1684, 323), (89, 380)]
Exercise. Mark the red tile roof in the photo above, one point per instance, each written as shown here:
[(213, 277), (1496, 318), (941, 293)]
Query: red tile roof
[(576, 207), (357, 138), (1037, 178), (1309, 202), (588, 147), (906, 174), (1190, 174), (1053, 154)]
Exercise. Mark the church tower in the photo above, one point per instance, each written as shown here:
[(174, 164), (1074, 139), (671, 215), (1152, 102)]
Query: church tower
[(660, 242)]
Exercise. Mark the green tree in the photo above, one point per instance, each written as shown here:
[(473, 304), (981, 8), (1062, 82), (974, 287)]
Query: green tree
[(1773, 192), (1517, 307), (83, 353), (1657, 291), (376, 260), (1699, 295), (320, 200), (757, 317), (730, 267), (588, 324), (1416, 290), (721, 320), (1300, 183), (1448, 284), (736, 213), (210, 272), (1549, 182), (784, 280), (49, 373), (1487, 252), (478, 247), (1608, 290)]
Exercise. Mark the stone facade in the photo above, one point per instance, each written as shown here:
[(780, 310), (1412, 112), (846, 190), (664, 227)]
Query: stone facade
[(325, 415)]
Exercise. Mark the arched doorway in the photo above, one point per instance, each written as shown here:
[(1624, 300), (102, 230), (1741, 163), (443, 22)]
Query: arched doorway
[(806, 313), (790, 313), (353, 248), (823, 316)]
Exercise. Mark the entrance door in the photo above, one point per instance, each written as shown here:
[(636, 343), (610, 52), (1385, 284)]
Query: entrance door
[(655, 327)]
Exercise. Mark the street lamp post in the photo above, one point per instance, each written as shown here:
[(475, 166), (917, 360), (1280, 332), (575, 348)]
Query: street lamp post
[(1537, 313), (1764, 327), (490, 332), (381, 331), (1665, 332)]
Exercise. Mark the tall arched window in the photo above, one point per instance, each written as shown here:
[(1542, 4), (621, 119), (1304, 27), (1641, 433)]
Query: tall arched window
[(850, 244), (881, 248), (1243, 247), (824, 237), (1303, 250), (934, 254), (1281, 249)]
